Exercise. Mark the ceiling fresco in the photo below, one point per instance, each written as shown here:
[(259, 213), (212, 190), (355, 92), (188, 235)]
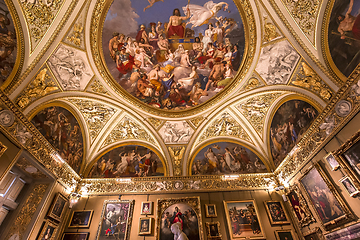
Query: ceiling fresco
[(116, 100)]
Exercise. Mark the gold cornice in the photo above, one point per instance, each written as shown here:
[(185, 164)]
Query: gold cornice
[(97, 22)]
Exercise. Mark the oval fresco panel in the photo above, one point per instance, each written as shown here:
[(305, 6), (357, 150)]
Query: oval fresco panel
[(290, 122), (127, 161), (344, 35), (226, 158), (63, 132), (8, 44), (171, 55)]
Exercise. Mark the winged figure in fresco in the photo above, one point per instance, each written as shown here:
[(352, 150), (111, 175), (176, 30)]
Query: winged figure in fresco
[(151, 3), (201, 15)]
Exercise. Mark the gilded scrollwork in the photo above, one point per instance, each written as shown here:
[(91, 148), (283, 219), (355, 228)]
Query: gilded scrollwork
[(39, 17), (255, 109), (27, 211), (155, 122), (128, 129), (177, 154), (29, 168), (224, 125), (308, 79), (196, 121), (97, 87), (252, 83), (95, 114), (43, 84), (270, 31), (305, 14)]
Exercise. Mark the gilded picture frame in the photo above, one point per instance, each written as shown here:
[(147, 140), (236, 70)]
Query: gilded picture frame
[(299, 206), (122, 214), (314, 234), (213, 230), (330, 159), (348, 184), (57, 207), (285, 234), (318, 187), (81, 219), (175, 205), (75, 236), (210, 210), (2, 148), (276, 213), (147, 208), (145, 225), (48, 230), (246, 209), (348, 157)]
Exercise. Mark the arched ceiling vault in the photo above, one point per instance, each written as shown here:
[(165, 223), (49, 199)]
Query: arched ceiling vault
[(110, 117)]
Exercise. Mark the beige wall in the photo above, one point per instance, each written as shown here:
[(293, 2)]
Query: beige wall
[(9, 156), (96, 203)]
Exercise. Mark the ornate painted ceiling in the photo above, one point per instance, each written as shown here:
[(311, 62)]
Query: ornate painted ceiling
[(82, 116)]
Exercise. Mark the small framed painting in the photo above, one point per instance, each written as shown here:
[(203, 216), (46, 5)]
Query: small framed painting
[(146, 208), (314, 234), (284, 234), (330, 159), (48, 231), (76, 236), (81, 219), (276, 213), (213, 230), (210, 210), (57, 207), (349, 186), (145, 225)]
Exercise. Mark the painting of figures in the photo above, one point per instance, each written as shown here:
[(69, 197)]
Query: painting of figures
[(127, 161), (179, 213), (171, 54), (324, 201), (243, 221), (115, 220), (63, 132), (288, 125), (344, 35), (8, 44), (226, 158), (352, 156)]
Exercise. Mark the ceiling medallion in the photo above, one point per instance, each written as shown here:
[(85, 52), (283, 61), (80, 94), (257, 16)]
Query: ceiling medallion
[(176, 63)]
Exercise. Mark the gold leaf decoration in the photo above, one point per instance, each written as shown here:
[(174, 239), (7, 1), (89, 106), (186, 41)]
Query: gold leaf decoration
[(177, 154)]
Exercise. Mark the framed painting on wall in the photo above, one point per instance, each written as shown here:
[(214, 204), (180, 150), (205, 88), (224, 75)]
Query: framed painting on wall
[(329, 206), (299, 206), (330, 159), (145, 225), (213, 230), (284, 234), (349, 186), (146, 208), (81, 219), (314, 234), (170, 212), (243, 221), (276, 213), (210, 210), (116, 219), (76, 236), (349, 158), (48, 230), (57, 207)]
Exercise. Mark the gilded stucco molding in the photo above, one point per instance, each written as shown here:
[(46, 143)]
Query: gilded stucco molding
[(43, 84), (305, 14), (27, 211), (96, 87), (252, 83), (255, 109), (175, 184), (24, 134), (177, 154), (96, 114), (155, 122), (324, 127), (15, 83), (196, 121), (223, 125), (97, 21), (307, 78), (327, 71)]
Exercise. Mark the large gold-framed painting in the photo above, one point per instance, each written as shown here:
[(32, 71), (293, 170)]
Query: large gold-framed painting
[(329, 205), (183, 212), (243, 220), (115, 220), (173, 55)]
